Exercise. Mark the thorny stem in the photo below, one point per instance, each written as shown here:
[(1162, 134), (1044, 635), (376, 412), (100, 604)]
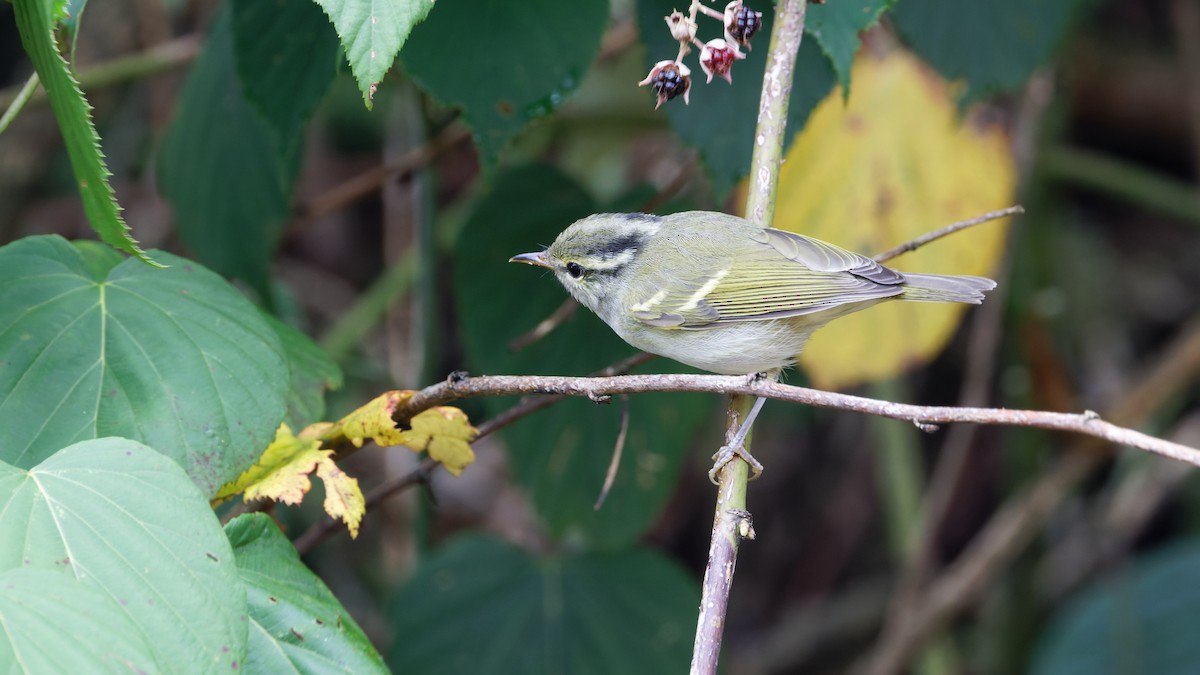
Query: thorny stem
[(730, 516)]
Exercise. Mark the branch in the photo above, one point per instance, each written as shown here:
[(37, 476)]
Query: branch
[(1087, 423), (947, 230)]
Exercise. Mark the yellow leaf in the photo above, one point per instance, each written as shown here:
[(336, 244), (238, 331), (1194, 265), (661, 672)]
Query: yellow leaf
[(282, 471), (893, 163), (282, 474), (343, 498), (374, 420), (444, 432)]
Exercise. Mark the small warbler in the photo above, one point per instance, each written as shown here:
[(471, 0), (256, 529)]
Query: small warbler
[(719, 293)]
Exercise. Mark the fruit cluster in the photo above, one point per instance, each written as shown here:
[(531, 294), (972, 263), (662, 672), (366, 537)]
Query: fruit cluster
[(670, 79)]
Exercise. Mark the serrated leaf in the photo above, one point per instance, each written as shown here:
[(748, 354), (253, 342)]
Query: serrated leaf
[(73, 115), (52, 623), (995, 45), (228, 181), (372, 33), (444, 431), (1139, 620), (286, 54), (483, 606), (544, 47), (296, 623), (892, 163), (561, 455), (281, 475), (720, 120), (126, 521), (175, 358), (836, 25)]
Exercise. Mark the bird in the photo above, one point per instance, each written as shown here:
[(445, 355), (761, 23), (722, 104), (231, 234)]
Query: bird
[(719, 293)]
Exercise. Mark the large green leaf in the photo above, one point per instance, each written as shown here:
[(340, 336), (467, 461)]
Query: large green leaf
[(994, 45), (720, 120), (296, 624), (482, 606), (505, 64), (560, 455), (126, 521), (286, 54), (175, 358), (74, 119), (312, 374), (372, 33), (222, 170), (1141, 620), (836, 25), (52, 623)]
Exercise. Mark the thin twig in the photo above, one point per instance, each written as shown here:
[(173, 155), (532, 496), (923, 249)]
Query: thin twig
[(947, 230), (18, 103), (326, 526), (544, 327), (357, 187), (122, 69), (611, 475)]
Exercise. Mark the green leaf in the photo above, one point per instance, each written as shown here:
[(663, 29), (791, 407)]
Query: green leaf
[(73, 115), (174, 358), (312, 374), (720, 120), (286, 54), (372, 33), (836, 25), (52, 623), (483, 606), (126, 521), (296, 623), (560, 455), (524, 59), (1141, 620), (995, 45), (228, 180)]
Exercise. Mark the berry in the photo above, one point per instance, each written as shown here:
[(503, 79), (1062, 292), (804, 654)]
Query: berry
[(741, 23), (717, 58), (669, 79)]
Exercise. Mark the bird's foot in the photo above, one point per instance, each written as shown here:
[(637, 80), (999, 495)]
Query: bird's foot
[(726, 454)]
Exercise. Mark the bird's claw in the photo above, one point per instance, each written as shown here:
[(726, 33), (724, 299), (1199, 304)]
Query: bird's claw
[(726, 454)]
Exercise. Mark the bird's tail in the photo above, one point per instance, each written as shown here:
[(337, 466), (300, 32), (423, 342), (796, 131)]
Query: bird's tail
[(945, 288)]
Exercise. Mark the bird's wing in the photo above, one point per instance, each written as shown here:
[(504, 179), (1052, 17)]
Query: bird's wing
[(781, 275)]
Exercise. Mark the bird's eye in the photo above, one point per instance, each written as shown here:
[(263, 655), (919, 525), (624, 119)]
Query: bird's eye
[(574, 269)]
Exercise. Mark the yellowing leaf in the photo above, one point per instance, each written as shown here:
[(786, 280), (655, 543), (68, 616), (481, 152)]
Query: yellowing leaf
[(343, 498), (282, 474), (374, 421), (444, 432), (893, 163)]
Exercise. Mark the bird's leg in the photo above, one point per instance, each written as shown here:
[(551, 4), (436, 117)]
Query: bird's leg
[(734, 447)]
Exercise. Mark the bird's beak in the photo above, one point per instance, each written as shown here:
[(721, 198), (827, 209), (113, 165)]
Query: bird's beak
[(538, 259)]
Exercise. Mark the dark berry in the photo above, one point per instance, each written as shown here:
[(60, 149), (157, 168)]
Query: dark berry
[(744, 24)]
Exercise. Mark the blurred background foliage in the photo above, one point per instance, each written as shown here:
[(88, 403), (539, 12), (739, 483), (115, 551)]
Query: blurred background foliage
[(238, 136)]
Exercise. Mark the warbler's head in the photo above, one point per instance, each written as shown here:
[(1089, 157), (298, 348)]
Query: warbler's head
[(592, 257)]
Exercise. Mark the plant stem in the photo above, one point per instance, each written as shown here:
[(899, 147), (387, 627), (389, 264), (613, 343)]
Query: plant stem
[(1124, 180), (730, 515)]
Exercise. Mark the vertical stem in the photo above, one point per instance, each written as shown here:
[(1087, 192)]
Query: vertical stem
[(760, 208)]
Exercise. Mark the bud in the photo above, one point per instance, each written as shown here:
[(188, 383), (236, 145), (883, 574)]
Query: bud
[(669, 79), (741, 23), (682, 28), (717, 57)]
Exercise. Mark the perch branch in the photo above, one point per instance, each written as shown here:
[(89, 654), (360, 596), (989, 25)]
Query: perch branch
[(1087, 423)]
